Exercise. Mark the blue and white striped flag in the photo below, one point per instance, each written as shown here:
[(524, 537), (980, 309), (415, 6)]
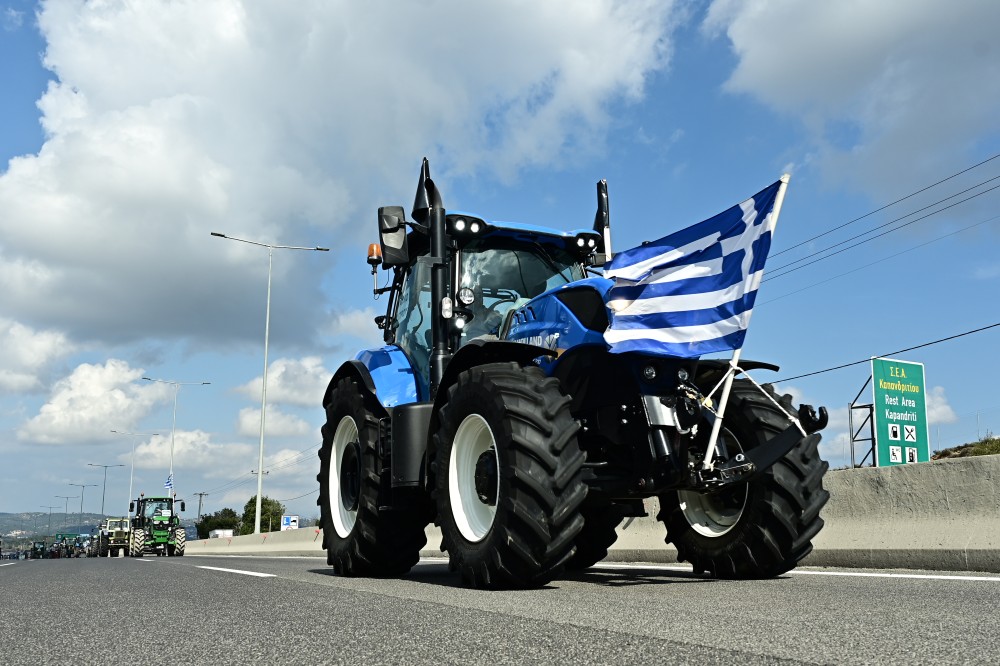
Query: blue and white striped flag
[(692, 292), (169, 483)]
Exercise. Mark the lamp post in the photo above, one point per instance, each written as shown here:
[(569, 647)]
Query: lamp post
[(267, 332), (132, 471), (50, 516), (177, 388), (104, 490), (83, 488), (66, 510)]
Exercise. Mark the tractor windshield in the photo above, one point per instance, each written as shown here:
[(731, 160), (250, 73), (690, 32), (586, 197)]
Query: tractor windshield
[(504, 276), (157, 509)]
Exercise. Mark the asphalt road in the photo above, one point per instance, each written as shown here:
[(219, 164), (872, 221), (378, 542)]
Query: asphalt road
[(209, 610)]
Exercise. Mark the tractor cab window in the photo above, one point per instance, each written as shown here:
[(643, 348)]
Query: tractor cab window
[(504, 276), (157, 509), (414, 317)]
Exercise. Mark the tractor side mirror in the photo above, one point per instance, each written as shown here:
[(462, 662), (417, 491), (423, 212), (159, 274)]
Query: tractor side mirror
[(392, 236), (182, 505), (131, 507)]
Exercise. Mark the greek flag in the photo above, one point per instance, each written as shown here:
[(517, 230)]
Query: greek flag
[(169, 483), (692, 292)]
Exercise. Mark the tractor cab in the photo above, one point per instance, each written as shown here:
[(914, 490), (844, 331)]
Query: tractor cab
[(496, 268)]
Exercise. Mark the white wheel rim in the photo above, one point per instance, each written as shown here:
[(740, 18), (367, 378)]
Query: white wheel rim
[(343, 518), (710, 515), (473, 517)]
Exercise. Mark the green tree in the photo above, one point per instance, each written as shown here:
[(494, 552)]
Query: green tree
[(226, 519), (271, 511)]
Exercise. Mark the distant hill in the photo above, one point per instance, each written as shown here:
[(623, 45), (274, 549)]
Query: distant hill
[(37, 522)]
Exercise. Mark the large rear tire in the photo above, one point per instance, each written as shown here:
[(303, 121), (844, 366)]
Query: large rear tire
[(760, 529), (508, 477), (180, 541), (360, 539)]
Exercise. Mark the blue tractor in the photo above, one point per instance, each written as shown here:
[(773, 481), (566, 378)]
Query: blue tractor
[(496, 410)]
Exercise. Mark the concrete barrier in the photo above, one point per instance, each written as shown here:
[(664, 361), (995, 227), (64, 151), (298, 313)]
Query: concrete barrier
[(941, 515)]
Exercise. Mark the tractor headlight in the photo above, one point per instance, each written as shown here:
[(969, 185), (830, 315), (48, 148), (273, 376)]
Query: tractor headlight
[(466, 296)]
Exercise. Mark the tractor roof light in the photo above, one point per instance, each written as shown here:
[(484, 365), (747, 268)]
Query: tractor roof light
[(466, 226), (587, 242)]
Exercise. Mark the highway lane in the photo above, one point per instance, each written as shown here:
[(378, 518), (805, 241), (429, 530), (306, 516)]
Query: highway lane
[(210, 610)]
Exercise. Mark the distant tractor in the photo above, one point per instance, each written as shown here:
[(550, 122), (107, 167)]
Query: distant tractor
[(39, 551), (111, 538), (156, 527)]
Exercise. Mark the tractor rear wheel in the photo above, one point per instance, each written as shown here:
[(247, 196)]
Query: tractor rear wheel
[(508, 477), (361, 539), (762, 528), (180, 541)]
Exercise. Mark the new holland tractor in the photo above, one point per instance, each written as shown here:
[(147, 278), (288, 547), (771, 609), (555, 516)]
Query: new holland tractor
[(156, 527), (497, 410)]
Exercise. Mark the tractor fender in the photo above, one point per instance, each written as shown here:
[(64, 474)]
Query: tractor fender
[(385, 374), (711, 371), (470, 355)]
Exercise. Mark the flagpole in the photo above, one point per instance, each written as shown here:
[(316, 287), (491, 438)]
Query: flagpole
[(713, 439)]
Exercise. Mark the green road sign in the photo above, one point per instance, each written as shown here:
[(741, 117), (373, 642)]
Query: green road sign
[(900, 407)]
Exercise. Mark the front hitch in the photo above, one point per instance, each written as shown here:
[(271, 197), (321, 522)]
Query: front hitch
[(745, 466), (810, 421)]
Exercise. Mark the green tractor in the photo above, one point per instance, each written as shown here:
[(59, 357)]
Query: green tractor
[(111, 538), (156, 527), (39, 551)]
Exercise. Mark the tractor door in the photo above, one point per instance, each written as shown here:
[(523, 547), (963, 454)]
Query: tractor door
[(412, 320)]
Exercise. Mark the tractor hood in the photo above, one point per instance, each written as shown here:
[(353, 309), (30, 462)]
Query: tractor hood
[(565, 317)]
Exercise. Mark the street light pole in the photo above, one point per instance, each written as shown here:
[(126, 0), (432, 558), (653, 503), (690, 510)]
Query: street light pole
[(83, 488), (50, 516), (66, 510), (267, 334), (104, 490), (177, 388), (132, 472)]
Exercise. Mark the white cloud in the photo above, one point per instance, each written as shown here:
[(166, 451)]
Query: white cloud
[(359, 325), (25, 352), (192, 450), (898, 83), (291, 382), (277, 424), (280, 126), (12, 19), (83, 406), (938, 409)]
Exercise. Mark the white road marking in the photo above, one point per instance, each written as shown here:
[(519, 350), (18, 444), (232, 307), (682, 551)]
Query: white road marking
[(8, 564), (812, 572), (865, 574), (238, 571)]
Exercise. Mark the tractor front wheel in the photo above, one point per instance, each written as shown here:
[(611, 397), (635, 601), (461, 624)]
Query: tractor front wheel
[(359, 537), (598, 534), (764, 527), (508, 477), (136, 543)]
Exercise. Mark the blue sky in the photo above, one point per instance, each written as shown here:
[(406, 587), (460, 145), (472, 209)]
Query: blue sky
[(132, 130)]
